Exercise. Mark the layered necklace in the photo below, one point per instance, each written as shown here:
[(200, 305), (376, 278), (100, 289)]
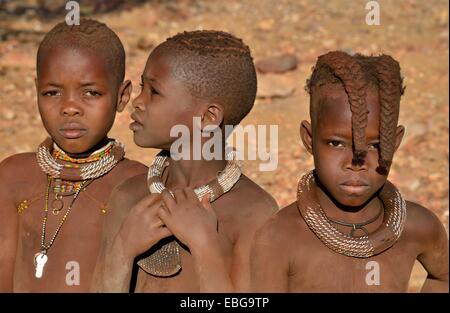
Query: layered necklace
[(347, 244), (166, 260), (69, 176)]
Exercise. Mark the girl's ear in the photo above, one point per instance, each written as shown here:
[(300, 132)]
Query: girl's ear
[(124, 95), (212, 116), (306, 135)]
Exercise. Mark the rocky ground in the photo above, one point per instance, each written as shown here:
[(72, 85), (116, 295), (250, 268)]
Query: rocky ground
[(414, 32)]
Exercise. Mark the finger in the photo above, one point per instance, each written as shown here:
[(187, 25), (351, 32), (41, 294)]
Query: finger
[(168, 200), (157, 222), (165, 216), (190, 195), (148, 200), (163, 232), (154, 207), (208, 207), (178, 194), (206, 204)]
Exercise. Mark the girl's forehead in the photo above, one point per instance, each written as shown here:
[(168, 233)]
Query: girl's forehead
[(333, 109)]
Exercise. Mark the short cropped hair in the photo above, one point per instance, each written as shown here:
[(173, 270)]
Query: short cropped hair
[(215, 66), (91, 35)]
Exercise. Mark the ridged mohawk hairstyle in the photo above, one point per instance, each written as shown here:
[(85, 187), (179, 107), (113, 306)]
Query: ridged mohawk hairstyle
[(215, 66)]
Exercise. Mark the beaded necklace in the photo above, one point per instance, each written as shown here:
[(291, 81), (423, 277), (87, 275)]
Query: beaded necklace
[(69, 177), (67, 168)]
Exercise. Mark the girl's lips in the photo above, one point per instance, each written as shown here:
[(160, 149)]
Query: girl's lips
[(354, 189), (72, 133), (135, 126)]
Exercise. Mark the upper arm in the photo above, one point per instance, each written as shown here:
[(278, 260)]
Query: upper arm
[(434, 253), (259, 214), (9, 224), (120, 202), (269, 268), (119, 205)]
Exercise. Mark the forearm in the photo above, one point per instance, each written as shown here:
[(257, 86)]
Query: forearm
[(210, 267), (114, 269), (435, 285)]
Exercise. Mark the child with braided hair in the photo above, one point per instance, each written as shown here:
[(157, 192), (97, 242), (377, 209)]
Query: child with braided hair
[(53, 202), (350, 230), (178, 245)]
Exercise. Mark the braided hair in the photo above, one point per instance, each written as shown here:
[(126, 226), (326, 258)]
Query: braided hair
[(215, 66), (355, 73), (91, 35)]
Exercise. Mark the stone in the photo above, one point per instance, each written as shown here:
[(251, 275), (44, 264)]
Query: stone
[(277, 64)]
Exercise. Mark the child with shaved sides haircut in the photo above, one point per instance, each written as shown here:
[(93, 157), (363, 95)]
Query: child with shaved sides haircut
[(177, 246), (53, 206), (350, 230)]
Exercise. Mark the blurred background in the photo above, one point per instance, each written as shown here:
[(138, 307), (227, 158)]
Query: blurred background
[(286, 37)]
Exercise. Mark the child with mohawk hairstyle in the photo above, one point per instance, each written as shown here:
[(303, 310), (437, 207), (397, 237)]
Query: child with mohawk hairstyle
[(53, 202), (179, 245), (350, 230)]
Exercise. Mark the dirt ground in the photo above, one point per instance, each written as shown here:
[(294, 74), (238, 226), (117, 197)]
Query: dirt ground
[(414, 32)]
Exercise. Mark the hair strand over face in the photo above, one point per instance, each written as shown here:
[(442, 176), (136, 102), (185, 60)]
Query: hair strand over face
[(355, 73)]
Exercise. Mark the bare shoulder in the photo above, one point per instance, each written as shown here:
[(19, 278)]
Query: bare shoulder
[(285, 227), (247, 204), (130, 191), (12, 167), (128, 168), (281, 237), (122, 199), (422, 224), (21, 172), (250, 197)]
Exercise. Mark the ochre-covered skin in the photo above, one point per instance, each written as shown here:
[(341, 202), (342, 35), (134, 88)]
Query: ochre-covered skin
[(287, 256)]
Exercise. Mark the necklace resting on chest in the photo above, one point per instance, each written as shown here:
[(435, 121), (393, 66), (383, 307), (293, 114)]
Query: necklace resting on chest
[(166, 260), (69, 177), (362, 247)]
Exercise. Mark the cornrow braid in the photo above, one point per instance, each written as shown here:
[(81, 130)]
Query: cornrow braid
[(355, 73), (207, 42), (390, 91), (350, 72), (214, 66)]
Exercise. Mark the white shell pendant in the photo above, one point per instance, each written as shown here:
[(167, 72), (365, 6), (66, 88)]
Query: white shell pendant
[(39, 261)]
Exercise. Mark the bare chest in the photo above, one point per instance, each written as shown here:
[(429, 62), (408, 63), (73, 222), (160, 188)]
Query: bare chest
[(72, 238), (315, 268)]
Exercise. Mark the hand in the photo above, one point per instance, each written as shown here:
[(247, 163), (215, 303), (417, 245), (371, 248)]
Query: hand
[(143, 228), (191, 221)]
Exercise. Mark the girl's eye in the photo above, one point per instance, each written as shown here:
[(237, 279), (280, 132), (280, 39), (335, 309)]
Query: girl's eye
[(92, 93), (335, 143), (51, 93), (374, 146), (154, 91)]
